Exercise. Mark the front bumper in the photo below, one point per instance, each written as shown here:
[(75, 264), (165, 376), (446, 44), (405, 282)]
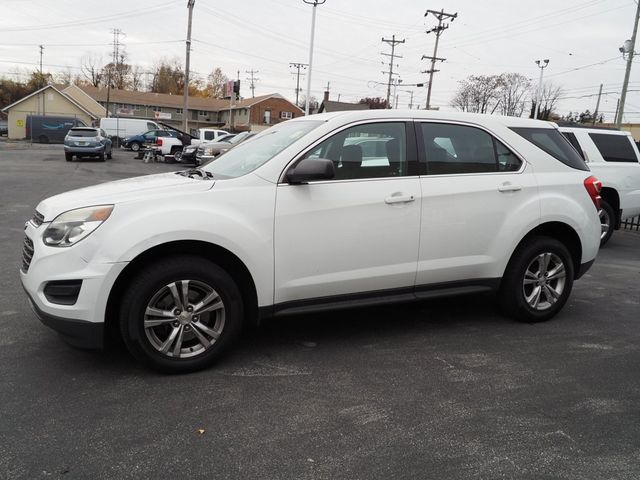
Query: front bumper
[(81, 322), (78, 333)]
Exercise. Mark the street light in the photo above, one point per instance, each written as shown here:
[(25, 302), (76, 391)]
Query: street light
[(315, 3), (542, 67)]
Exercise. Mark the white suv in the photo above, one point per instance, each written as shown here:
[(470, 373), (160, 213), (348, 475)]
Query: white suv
[(308, 217), (612, 156)]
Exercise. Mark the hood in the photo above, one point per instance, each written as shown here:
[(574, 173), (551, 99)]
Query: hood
[(147, 187)]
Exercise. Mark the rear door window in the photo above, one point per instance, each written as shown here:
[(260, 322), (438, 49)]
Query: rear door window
[(614, 148), (554, 143), (455, 149)]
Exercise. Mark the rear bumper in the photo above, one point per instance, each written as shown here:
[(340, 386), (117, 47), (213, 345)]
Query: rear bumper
[(79, 333), (85, 150)]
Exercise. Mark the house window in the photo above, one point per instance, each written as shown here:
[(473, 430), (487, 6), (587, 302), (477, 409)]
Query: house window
[(179, 111), (194, 115), (156, 109), (286, 115), (202, 113)]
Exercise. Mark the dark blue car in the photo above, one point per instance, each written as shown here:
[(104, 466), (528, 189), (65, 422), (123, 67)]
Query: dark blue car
[(135, 142)]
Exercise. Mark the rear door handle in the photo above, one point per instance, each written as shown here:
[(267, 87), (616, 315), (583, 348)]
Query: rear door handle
[(509, 187), (399, 198)]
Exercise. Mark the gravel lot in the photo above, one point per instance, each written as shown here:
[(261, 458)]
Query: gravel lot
[(442, 390)]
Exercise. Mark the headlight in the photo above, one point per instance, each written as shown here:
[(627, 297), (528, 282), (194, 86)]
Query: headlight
[(208, 151), (70, 227)]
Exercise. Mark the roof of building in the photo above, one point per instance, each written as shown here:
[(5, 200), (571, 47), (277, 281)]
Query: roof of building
[(332, 106), (52, 87), (172, 101)]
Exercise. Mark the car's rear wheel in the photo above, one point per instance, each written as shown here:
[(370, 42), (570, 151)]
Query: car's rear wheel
[(101, 157), (537, 281), (181, 314), (68, 157), (607, 222), (177, 154), (135, 146)]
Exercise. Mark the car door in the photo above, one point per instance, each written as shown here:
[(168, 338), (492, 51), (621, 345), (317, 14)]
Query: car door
[(476, 195), (355, 233)]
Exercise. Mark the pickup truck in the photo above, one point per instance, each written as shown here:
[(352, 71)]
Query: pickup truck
[(614, 159), (173, 146)]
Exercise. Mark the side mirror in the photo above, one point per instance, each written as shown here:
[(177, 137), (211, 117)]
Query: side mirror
[(310, 169)]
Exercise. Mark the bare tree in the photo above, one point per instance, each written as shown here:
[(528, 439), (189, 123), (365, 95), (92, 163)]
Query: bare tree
[(513, 92), (91, 68), (65, 77), (549, 96), (137, 78), (478, 94)]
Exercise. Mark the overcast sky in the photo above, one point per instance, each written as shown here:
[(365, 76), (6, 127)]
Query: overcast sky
[(580, 38)]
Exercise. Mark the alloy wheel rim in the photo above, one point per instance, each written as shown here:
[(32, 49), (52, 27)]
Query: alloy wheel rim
[(605, 222), (184, 319), (544, 281)]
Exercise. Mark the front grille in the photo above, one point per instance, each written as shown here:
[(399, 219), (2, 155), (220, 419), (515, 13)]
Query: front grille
[(37, 219), (27, 254)]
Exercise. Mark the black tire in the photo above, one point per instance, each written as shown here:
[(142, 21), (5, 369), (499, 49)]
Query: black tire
[(151, 286), (43, 139), (177, 154), (101, 157), (109, 156), (68, 157), (135, 146), (517, 290), (607, 222)]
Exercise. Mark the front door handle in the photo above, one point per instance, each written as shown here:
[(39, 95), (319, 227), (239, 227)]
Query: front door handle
[(399, 198), (509, 187)]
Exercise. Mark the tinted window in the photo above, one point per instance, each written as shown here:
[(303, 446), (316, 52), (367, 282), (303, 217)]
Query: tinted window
[(366, 151), (83, 133), (573, 141), (614, 148), (209, 135), (555, 144), (452, 149)]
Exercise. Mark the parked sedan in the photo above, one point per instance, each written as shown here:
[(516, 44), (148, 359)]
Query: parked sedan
[(208, 151), (87, 142), (189, 152), (135, 142)]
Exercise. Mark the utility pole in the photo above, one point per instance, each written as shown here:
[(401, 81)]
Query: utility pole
[(595, 114), (185, 98), (41, 80), (542, 66), (314, 3), (441, 15), (116, 44), (298, 66), (393, 42), (252, 80), (627, 73)]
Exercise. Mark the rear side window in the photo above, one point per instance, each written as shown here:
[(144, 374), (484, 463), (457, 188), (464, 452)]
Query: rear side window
[(209, 135), (83, 133), (614, 148), (454, 149), (151, 126), (555, 144), (573, 141)]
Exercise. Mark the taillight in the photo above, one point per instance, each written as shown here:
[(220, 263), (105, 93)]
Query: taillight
[(159, 141), (593, 186)]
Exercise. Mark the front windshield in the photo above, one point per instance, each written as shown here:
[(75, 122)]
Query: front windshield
[(249, 155)]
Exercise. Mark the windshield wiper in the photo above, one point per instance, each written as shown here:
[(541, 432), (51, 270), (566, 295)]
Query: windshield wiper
[(196, 171)]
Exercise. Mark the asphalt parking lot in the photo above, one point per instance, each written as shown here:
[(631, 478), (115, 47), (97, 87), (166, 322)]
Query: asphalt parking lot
[(440, 390)]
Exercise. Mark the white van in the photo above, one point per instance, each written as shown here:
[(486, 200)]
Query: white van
[(126, 127)]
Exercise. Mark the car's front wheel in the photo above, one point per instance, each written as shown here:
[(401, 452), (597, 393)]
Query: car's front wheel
[(537, 281), (135, 146), (180, 314)]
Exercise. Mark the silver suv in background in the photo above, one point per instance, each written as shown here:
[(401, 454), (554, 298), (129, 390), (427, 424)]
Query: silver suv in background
[(87, 142), (613, 157)]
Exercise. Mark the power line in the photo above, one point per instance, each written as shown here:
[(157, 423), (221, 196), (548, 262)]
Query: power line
[(252, 81)]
